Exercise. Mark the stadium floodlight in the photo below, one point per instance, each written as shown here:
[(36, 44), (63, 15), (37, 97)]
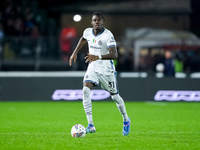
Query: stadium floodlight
[(77, 18)]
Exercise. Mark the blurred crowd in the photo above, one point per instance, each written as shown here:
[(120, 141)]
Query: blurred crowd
[(171, 61), (17, 21)]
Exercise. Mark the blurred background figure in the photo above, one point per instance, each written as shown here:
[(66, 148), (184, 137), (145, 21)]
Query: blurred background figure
[(178, 63), (1, 32), (67, 36), (169, 64)]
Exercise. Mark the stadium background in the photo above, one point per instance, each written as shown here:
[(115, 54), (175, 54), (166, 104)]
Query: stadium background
[(37, 38)]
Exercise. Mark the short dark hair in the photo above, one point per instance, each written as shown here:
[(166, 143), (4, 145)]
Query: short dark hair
[(99, 15)]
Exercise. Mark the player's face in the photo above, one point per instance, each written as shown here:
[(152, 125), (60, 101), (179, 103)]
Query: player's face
[(97, 22)]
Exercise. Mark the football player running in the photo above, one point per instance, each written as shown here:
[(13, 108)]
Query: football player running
[(101, 69)]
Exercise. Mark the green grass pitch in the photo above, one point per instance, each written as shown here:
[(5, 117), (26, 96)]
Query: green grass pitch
[(47, 125)]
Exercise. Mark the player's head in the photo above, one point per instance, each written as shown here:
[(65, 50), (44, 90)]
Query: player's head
[(97, 20)]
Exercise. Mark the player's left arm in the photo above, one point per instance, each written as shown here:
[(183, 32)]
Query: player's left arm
[(112, 53)]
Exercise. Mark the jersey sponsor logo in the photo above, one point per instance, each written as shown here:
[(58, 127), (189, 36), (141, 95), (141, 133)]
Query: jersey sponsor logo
[(177, 95), (94, 47), (77, 94), (100, 42)]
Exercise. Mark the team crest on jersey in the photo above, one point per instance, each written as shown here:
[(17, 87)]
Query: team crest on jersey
[(100, 42)]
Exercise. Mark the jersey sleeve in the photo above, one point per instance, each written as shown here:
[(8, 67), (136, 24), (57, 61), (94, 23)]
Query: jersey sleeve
[(85, 33), (111, 41)]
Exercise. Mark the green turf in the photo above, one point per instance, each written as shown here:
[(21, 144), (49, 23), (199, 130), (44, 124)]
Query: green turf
[(47, 125)]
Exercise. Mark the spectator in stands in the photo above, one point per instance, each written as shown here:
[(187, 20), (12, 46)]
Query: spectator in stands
[(18, 12), (35, 33), (19, 26), (10, 28), (9, 9), (28, 25), (1, 32)]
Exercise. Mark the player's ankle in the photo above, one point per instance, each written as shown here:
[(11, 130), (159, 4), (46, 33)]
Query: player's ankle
[(91, 125)]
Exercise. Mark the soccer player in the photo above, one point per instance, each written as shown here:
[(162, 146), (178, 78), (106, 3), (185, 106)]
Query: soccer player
[(102, 51)]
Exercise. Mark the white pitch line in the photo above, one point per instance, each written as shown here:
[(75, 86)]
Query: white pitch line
[(156, 103), (106, 132)]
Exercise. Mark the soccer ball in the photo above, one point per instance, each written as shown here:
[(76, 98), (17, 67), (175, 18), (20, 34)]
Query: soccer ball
[(78, 130)]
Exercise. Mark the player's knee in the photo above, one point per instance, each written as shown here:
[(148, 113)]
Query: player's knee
[(86, 91), (117, 98)]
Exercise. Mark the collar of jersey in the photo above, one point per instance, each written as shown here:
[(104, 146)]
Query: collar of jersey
[(99, 33)]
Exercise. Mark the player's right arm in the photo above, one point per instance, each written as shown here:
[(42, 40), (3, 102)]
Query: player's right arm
[(80, 44)]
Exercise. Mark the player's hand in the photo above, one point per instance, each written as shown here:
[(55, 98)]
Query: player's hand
[(73, 57), (91, 58)]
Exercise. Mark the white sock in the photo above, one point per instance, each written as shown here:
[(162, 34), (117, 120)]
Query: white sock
[(87, 104), (121, 106)]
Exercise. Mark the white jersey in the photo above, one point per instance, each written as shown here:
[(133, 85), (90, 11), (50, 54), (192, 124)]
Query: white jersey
[(98, 45)]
